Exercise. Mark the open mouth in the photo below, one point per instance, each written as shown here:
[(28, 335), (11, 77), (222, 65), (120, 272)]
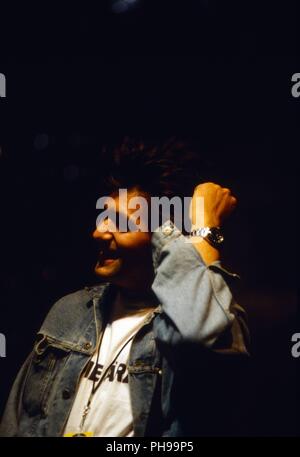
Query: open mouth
[(107, 257)]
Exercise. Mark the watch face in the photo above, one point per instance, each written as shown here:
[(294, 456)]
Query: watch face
[(215, 236), (212, 234)]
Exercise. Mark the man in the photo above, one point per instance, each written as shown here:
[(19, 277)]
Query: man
[(153, 349)]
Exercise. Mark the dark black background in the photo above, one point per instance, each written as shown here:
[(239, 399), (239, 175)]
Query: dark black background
[(218, 73)]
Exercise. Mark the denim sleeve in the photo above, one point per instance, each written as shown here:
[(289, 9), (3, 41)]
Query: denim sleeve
[(9, 423), (195, 298)]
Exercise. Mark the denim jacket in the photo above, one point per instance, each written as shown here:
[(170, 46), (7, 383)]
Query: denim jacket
[(196, 306)]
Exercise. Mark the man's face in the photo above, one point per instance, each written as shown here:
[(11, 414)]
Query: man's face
[(124, 258)]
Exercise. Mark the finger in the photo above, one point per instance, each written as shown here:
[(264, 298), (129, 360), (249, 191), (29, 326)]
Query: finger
[(233, 201), (226, 190)]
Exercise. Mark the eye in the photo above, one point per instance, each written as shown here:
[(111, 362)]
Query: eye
[(121, 222)]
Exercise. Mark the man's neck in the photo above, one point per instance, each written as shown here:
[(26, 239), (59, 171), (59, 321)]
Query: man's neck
[(135, 294), (129, 301)]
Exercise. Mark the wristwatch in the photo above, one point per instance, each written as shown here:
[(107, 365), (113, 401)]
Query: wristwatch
[(212, 235)]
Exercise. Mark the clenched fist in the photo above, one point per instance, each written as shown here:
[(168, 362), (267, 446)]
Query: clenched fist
[(214, 206)]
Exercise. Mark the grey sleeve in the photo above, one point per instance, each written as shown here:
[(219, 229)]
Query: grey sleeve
[(198, 304)]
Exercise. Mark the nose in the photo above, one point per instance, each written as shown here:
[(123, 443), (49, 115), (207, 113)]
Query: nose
[(105, 236)]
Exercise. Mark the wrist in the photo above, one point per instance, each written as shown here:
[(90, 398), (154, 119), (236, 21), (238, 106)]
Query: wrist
[(208, 253), (212, 235)]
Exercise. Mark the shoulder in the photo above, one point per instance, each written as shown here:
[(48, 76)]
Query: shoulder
[(72, 310), (78, 299)]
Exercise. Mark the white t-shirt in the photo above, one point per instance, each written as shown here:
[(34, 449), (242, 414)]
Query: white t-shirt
[(110, 413)]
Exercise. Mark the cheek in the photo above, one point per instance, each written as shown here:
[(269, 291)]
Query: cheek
[(133, 241)]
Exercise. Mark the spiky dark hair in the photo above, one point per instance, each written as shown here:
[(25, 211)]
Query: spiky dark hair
[(164, 169)]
